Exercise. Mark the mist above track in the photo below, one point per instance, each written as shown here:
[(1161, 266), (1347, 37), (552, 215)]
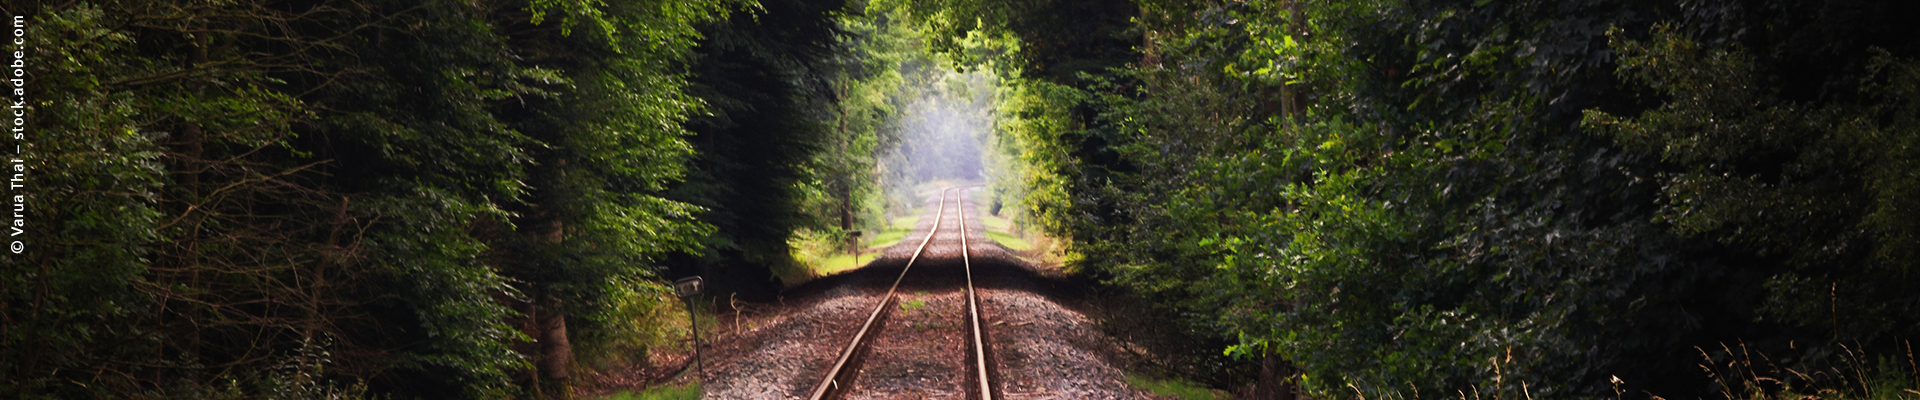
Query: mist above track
[(943, 130)]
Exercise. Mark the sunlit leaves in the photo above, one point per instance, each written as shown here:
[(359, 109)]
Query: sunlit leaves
[(663, 26)]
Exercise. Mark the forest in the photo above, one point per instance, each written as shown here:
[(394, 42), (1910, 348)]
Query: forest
[(1329, 199)]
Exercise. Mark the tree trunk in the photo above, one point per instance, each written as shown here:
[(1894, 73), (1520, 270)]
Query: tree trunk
[(1293, 100), (556, 356), (529, 326), (551, 351), (846, 216), (192, 141), (187, 155), (846, 184), (556, 352), (1276, 380)]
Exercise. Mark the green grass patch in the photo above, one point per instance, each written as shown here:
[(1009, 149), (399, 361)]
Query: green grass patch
[(895, 232), (885, 239), (1010, 241), (1175, 388), (994, 223), (997, 230), (841, 262), (906, 222), (689, 392), (834, 261), (911, 305)]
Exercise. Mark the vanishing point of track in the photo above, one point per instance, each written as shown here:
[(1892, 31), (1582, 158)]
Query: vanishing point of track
[(837, 380)]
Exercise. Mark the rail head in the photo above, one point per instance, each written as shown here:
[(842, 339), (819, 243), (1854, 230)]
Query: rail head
[(973, 304)]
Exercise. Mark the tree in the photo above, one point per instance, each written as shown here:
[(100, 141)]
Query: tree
[(314, 199), (1451, 196), (763, 75)]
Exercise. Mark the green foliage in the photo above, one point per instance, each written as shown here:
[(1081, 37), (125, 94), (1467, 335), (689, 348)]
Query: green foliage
[(844, 188), (68, 294), (595, 223), (1408, 198), (641, 316), (1036, 129), (764, 75), (812, 104), (1825, 188), (1045, 39), (299, 199)]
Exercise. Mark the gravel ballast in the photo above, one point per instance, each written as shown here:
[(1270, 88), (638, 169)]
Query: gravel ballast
[(1039, 347)]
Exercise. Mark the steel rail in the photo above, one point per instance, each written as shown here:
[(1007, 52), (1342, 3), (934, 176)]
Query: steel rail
[(973, 303), (831, 381)]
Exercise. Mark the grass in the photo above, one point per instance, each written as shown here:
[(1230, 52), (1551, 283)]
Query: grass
[(840, 262), (896, 231), (690, 391), (820, 258), (1175, 388), (911, 305), (916, 304), (1007, 239), (999, 230), (994, 223), (1851, 376)]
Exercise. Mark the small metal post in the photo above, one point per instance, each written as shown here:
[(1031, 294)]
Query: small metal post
[(687, 288), (853, 243), (692, 308)]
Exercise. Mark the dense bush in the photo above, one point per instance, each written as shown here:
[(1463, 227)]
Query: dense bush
[(239, 199), (1440, 198)]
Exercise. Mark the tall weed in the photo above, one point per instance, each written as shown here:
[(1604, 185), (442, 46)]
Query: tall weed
[(1742, 374)]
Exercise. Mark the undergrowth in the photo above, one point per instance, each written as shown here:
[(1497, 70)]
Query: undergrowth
[(1009, 240), (1741, 374), (825, 252), (1174, 388), (643, 317), (688, 392)]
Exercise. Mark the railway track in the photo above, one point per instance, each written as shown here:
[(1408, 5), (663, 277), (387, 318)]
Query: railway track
[(841, 378)]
